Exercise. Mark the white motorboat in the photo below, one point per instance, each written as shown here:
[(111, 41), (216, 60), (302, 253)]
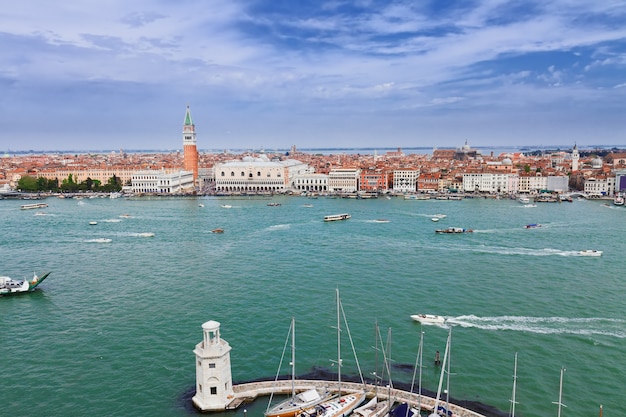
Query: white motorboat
[(429, 319), (226, 206), (524, 200), (10, 286), (590, 252), (336, 217)]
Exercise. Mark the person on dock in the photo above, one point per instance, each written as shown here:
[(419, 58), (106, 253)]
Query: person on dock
[(437, 358)]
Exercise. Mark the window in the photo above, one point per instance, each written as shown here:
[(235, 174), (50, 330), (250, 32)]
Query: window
[(211, 365), (223, 173), (243, 174), (213, 390)]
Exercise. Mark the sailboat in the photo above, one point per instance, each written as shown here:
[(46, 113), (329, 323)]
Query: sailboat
[(560, 402), (446, 358), (341, 405), (513, 402), (297, 401), (375, 408)]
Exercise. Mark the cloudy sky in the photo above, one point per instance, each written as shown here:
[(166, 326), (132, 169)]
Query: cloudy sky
[(111, 74)]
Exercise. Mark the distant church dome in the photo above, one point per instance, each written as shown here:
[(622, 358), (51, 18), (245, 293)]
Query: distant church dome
[(596, 163), (507, 161)]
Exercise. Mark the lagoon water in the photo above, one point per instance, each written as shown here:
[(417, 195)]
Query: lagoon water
[(111, 331)]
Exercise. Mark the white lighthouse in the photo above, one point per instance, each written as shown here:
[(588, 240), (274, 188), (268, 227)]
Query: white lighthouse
[(214, 386)]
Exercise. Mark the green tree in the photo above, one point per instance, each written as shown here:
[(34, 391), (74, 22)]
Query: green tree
[(27, 183)]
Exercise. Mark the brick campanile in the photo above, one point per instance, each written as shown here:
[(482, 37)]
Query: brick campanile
[(189, 146)]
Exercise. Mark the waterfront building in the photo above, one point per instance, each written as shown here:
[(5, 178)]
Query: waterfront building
[(162, 182), (620, 180), (257, 175), (428, 182), (491, 182), (345, 180), (190, 151), (405, 180), (214, 385), (373, 180), (600, 185), (311, 182)]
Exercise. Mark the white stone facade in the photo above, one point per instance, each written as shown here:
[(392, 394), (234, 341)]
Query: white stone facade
[(311, 182), (344, 180), (405, 180), (491, 182), (257, 175), (161, 182)]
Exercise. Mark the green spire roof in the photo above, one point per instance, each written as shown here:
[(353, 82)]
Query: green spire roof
[(188, 121)]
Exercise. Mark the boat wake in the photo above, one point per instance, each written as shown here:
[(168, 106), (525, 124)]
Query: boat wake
[(279, 227), (99, 240), (545, 325), (112, 220)]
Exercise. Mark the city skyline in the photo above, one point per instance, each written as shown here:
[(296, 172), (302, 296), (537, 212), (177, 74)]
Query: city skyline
[(334, 74)]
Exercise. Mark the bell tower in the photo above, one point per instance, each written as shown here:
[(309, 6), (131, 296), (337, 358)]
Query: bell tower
[(214, 386), (575, 158), (189, 146)]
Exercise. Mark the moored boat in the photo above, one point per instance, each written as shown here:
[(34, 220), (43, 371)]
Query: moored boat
[(296, 401), (10, 286), (429, 319), (336, 217), (340, 405)]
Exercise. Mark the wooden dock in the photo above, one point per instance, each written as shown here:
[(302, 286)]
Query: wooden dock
[(248, 392)]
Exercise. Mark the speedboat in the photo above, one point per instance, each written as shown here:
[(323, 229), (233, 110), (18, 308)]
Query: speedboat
[(10, 286), (453, 230), (429, 318), (217, 231), (532, 225), (226, 206), (590, 252)]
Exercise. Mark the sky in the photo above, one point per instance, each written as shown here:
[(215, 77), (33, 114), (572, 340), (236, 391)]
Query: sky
[(268, 74)]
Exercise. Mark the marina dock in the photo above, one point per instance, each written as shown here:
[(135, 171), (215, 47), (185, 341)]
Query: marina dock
[(248, 392)]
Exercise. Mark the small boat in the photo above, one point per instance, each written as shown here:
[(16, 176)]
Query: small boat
[(93, 223), (274, 204), (226, 206), (146, 234), (618, 200), (9, 286), (125, 216), (33, 206), (307, 205), (532, 225), (429, 319), (590, 252), (524, 200), (200, 205), (217, 231), (435, 219), (336, 217), (454, 230)]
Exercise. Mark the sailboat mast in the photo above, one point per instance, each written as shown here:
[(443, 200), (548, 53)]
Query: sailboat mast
[(443, 366), (338, 342), (293, 356), (560, 403), (513, 402), (448, 370)]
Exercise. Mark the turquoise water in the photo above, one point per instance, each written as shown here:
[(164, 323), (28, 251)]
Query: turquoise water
[(113, 328)]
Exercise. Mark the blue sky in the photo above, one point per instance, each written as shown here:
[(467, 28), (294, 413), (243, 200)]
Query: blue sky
[(90, 75)]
